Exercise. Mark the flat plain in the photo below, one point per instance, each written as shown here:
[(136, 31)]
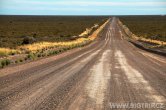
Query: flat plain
[(152, 27), (13, 29)]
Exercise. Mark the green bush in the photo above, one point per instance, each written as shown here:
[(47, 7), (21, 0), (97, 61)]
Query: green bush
[(44, 54), (55, 52), (31, 56), (21, 60), (8, 62), (0, 65), (4, 62), (25, 58), (39, 55), (28, 40)]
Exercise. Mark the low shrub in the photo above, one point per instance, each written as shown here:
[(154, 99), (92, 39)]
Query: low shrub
[(21, 60), (4, 62), (28, 40), (39, 55), (44, 54), (31, 56), (0, 65), (25, 58)]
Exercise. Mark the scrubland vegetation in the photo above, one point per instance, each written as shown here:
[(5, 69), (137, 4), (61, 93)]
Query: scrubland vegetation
[(14, 30), (32, 47), (150, 27)]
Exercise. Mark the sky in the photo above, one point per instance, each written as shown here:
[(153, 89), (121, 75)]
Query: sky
[(82, 7)]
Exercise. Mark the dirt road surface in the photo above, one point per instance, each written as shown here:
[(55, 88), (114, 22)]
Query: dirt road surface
[(108, 71)]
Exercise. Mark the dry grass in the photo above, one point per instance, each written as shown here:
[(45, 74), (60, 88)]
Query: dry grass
[(7, 51), (42, 49), (149, 40), (36, 47), (47, 45)]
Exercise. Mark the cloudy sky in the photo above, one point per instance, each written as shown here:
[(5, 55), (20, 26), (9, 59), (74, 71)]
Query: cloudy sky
[(82, 7)]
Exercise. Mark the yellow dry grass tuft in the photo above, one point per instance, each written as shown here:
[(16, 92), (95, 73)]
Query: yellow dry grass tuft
[(149, 40), (46, 45), (8, 51)]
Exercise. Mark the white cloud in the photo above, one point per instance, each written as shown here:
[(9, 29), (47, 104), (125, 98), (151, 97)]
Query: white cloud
[(90, 3), (51, 9)]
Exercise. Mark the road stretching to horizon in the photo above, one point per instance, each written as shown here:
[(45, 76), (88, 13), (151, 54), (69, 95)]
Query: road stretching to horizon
[(109, 70)]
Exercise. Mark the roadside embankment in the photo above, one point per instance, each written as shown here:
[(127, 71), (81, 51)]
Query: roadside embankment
[(154, 46)]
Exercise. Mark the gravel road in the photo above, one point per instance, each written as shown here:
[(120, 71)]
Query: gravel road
[(109, 71)]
